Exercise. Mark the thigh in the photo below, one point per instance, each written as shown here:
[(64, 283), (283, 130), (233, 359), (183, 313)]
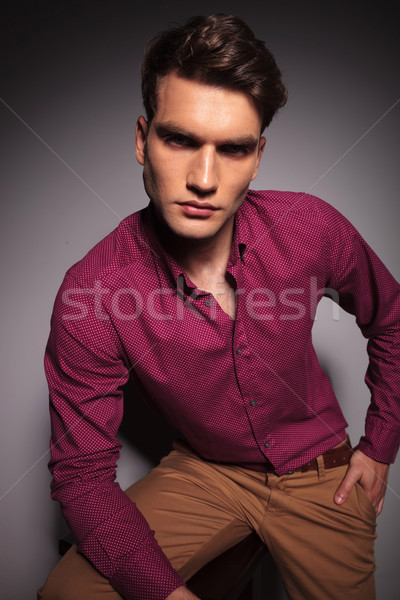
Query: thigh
[(194, 507), (324, 551), (193, 511)]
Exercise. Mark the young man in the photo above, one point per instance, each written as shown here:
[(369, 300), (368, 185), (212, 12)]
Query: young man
[(207, 297)]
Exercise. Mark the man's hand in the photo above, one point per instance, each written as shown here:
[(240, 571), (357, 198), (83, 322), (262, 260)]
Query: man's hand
[(372, 476), (182, 593)]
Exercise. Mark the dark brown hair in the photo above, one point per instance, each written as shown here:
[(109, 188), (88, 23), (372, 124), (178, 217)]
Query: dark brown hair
[(217, 49)]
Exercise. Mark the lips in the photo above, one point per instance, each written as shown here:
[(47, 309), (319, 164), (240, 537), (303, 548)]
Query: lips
[(197, 209)]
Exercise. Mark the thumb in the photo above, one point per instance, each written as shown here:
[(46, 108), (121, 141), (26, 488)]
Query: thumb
[(344, 489)]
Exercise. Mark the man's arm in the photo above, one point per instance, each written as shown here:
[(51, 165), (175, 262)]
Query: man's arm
[(368, 291), (372, 476), (85, 370)]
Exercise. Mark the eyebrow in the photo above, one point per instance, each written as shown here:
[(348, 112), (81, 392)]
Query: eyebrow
[(171, 128)]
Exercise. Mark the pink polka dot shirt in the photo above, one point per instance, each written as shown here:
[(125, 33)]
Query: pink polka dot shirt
[(248, 391)]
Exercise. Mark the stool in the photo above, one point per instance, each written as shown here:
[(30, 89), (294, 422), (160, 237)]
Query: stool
[(226, 577)]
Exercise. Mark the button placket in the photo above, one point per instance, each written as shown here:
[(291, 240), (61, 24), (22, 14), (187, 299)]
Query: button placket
[(245, 371)]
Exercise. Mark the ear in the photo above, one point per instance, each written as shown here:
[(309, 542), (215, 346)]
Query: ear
[(142, 127), (261, 147)]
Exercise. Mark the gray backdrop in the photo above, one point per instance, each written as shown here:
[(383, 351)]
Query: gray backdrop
[(69, 100)]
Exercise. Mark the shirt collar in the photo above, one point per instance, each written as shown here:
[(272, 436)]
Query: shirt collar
[(239, 242)]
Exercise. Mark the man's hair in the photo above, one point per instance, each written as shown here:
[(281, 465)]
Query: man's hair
[(219, 50)]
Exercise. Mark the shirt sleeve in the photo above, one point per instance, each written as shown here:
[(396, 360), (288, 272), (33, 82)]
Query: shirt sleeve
[(85, 374), (367, 290)]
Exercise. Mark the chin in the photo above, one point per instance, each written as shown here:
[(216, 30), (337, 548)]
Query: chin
[(190, 229), (195, 234)]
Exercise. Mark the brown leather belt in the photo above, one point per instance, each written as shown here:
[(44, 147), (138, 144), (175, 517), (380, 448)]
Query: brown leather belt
[(335, 457)]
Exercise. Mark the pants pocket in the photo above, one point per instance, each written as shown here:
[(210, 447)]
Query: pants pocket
[(365, 503)]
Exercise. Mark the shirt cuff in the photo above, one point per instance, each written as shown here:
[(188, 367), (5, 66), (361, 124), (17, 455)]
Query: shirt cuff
[(380, 442), (146, 575)]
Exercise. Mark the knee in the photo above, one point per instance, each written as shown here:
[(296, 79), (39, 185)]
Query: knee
[(74, 578), (44, 593), (51, 591)]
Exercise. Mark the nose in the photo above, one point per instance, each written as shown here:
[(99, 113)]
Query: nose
[(202, 175)]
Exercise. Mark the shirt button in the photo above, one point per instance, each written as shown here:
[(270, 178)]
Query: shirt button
[(266, 444), (208, 302), (238, 351), (253, 402)]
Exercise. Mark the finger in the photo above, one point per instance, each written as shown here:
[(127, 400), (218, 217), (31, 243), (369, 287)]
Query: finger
[(344, 489), (379, 507)]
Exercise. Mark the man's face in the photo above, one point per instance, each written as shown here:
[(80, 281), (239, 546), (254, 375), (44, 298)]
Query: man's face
[(200, 153)]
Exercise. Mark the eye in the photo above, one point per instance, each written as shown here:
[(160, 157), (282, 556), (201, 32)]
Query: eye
[(179, 140), (235, 149)]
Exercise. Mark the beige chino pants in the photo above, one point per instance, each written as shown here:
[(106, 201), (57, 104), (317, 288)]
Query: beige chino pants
[(198, 509)]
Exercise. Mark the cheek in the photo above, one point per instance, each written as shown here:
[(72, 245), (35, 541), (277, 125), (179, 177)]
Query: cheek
[(238, 174), (165, 169), (239, 182), (237, 186), (152, 173)]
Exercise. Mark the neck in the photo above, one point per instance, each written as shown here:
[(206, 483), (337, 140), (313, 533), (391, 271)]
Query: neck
[(203, 259)]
